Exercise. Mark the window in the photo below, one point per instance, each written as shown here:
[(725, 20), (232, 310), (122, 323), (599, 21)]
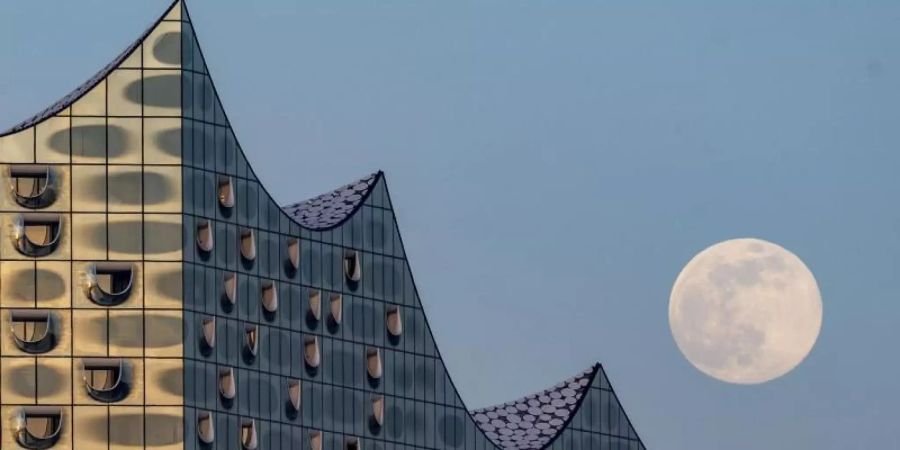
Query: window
[(205, 235), (248, 244), (378, 410), (311, 352), (373, 363), (209, 332), (109, 283), (107, 380), (227, 388), (352, 443), (251, 340), (352, 268), (294, 252), (294, 393), (37, 427), (206, 430), (337, 308), (33, 330), (394, 321), (269, 296), (315, 305), (315, 440), (32, 186), (226, 191), (37, 234), (249, 440), (230, 282)]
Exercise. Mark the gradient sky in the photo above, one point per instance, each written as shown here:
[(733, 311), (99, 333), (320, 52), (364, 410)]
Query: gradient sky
[(555, 164)]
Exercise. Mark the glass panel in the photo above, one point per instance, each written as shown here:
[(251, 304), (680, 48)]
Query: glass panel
[(164, 285), (92, 425), (163, 237), (126, 425), (163, 47), (89, 236), (54, 385), (126, 332), (162, 92), (17, 288), (125, 93), (124, 140), (162, 189), (18, 147), (125, 239), (125, 188), (90, 332), (18, 380), (93, 103), (164, 330), (53, 140), (53, 284), (164, 382), (88, 140), (88, 188), (162, 141)]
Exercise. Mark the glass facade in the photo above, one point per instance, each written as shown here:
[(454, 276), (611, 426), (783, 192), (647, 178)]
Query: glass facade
[(159, 298)]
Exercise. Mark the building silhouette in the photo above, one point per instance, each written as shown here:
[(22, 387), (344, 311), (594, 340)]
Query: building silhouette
[(158, 298)]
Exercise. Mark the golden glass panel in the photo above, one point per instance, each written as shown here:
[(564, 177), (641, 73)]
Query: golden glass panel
[(164, 333), (162, 92), (93, 103), (18, 380), (124, 93), (126, 333), (89, 330), (162, 49), (125, 188), (89, 188), (125, 138), (133, 61), (165, 381), (125, 239), (54, 385), (18, 147), (53, 141), (126, 427), (162, 141), (17, 284), (92, 424), (53, 284), (174, 14), (164, 285), (162, 189), (88, 140), (165, 427), (89, 231), (163, 237)]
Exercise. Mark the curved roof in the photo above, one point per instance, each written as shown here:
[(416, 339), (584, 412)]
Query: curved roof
[(533, 421), (332, 208), (85, 87)]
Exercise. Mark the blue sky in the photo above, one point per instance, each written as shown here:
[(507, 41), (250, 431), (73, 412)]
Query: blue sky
[(555, 164)]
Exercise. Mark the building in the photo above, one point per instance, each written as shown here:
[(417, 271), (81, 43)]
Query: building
[(159, 298)]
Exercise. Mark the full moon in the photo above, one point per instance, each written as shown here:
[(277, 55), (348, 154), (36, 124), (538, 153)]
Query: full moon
[(745, 311)]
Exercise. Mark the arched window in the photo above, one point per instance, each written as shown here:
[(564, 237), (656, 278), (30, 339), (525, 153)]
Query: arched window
[(34, 331), (32, 186), (337, 308), (248, 244), (249, 439), (107, 379), (109, 283), (206, 427), (205, 233), (37, 234), (269, 296), (226, 191), (38, 427)]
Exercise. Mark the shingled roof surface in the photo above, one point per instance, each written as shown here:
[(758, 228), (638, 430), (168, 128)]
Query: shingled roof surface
[(332, 208)]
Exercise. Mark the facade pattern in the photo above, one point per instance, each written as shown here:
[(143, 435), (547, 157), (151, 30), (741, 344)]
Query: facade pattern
[(158, 297)]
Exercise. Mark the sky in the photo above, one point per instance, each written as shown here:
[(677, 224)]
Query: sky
[(555, 164)]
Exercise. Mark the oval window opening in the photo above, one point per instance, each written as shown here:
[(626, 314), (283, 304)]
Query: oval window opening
[(33, 330), (294, 252), (36, 234), (352, 268), (315, 305), (209, 332), (251, 339), (337, 308), (109, 283), (269, 296), (230, 282), (206, 429), (373, 363), (205, 240), (226, 191), (311, 352), (106, 379), (394, 321), (249, 439), (227, 388), (32, 186), (38, 427), (294, 393)]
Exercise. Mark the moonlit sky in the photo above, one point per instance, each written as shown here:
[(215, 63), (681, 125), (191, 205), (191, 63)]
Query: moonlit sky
[(555, 164)]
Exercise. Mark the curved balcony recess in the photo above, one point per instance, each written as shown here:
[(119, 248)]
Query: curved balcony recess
[(208, 324), (106, 379), (311, 353), (373, 363), (226, 191), (34, 331), (378, 409), (352, 267), (251, 339), (315, 304), (32, 186), (109, 283), (205, 235), (394, 321), (206, 427), (37, 427), (36, 234), (315, 440), (352, 443), (336, 305), (293, 250), (230, 287), (249, 438), (227, 386), (248, 244), (269, 296)]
